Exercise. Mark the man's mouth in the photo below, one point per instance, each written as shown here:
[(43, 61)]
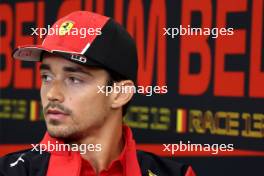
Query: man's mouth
[(55, 114)]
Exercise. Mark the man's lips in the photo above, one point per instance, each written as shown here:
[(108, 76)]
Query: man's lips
[(55, 111), (56, 114)]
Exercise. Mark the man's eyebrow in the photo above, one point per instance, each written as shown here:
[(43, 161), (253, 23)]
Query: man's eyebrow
[(66, 69), (44, 67), (76, 69)]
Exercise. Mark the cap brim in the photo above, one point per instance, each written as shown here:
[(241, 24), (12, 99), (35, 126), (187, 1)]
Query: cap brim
[(29, 53), (34, 53)]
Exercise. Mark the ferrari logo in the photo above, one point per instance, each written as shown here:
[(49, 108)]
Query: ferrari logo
[(65, 27), (150, 173)]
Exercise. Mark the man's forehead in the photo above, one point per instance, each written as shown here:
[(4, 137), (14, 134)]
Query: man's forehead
[(59, 61), (55, 59), (52, 61)]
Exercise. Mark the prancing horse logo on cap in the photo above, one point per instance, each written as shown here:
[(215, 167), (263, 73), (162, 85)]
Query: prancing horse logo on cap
[(65, 27)]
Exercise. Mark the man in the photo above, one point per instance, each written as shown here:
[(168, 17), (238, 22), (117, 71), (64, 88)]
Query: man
[(73, 68)]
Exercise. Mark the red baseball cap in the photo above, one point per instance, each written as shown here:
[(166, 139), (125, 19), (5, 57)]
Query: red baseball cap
[(88, 39)]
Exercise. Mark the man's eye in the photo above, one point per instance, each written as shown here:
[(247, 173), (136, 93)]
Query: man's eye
[(45, 78), (75, 80)]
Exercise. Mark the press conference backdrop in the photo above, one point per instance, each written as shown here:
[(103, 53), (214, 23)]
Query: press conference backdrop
[(215, 84)]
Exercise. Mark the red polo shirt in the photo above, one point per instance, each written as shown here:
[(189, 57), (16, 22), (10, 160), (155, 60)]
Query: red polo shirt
[(117, 167), (69, 163)]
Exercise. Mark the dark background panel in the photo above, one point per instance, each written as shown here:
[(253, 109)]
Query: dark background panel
[(26, 131)]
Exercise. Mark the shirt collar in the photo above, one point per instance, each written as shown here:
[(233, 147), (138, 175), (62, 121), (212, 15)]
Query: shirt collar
[(128, 156)]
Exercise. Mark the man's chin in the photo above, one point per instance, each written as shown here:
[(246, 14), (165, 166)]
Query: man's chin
[(58, 131)]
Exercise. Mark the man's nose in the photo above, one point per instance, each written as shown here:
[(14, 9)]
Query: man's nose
[(55, 93)]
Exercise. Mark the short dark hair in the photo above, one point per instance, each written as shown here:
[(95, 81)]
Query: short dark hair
[(116, 77)]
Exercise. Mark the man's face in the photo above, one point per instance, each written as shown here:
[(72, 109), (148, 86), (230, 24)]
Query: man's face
[(72, 106)]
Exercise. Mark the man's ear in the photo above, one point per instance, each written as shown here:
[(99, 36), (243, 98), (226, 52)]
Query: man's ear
[(124, 92)]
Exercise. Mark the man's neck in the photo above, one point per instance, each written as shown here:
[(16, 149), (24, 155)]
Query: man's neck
[(111, 141)]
